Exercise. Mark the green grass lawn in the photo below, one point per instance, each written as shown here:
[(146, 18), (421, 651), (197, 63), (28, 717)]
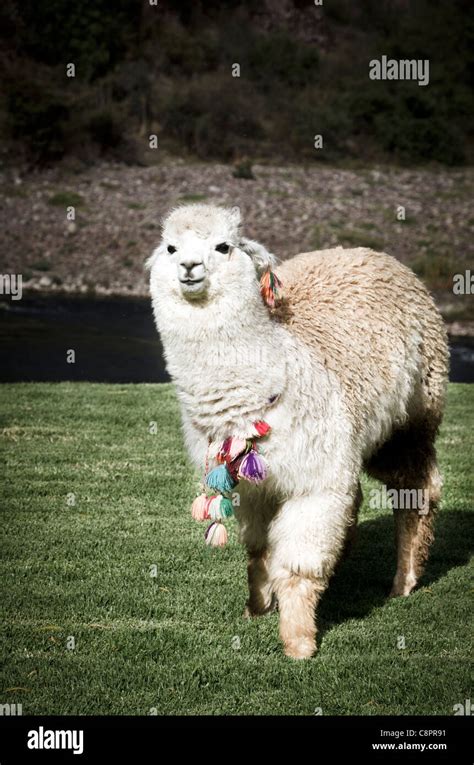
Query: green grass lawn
[(168, 642)]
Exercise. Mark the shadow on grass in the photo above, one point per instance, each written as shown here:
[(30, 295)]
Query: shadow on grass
[(363, 580)]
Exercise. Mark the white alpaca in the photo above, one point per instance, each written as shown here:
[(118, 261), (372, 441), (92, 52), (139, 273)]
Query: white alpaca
[(349, 371)]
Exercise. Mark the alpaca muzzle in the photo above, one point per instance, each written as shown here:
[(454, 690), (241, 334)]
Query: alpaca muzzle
[(192, 277)]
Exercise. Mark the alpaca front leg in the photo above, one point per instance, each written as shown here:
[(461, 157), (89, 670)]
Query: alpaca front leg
[(305, 541), (297, 600), (261, 598), (254, 513)]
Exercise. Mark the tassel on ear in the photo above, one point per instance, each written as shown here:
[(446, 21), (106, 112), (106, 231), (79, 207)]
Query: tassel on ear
[(270, 287)]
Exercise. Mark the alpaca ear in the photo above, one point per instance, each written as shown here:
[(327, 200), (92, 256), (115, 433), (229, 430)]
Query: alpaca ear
[(149, 261), (262, 259), (234, 216)]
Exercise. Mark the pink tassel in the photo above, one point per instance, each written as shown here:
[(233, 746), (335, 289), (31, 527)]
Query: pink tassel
[(200, 508), (237, 446), (231, 448), (216, 535), (214, 507)]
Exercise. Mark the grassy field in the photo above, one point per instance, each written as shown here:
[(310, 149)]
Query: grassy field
[(92, 501)]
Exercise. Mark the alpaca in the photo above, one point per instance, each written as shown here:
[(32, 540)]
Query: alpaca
[(349, 370)]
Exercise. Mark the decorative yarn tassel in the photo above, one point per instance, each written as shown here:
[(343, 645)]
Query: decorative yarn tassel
[(237, 446), (223, 453), (261, 428), (234, 466), (237, 457), (220, 508), (220, 479), (216, 535), (253, 467), (231, 449), (270, 287), (200, 508)]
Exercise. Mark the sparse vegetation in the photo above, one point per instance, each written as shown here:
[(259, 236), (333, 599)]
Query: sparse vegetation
[(66, 199), (192, 198), (41, 265), (243, 169)]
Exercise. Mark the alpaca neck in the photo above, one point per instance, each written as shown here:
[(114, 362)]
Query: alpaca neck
[(227, 361), (199, 327)]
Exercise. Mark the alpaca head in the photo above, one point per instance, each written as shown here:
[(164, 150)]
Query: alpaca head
[(203, 257)]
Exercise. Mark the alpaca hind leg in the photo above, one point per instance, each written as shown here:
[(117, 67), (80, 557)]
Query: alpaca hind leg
[(407, 464), (351, 534), (414, 533)]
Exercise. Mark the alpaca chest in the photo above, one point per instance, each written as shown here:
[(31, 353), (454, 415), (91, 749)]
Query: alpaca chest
[(224, 399)]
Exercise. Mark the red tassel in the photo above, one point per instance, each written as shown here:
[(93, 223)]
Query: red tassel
[(261, 428), (270, 286)]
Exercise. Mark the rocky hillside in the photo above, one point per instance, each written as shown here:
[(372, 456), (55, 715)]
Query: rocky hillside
[(290, 208)]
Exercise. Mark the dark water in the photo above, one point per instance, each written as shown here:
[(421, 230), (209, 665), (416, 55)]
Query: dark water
[(114, 340)]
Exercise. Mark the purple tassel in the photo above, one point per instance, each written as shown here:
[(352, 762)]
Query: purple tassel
[(253, 467)]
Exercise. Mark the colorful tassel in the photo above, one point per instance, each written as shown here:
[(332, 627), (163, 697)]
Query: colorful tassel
[(231, 449), (270, 287), (253, 467), (200, 508), (238, 458), (220, 508), (234, 467), (220, 479), (237, 446), (261, 428), (216, 535), (223, 453), (227, 508)]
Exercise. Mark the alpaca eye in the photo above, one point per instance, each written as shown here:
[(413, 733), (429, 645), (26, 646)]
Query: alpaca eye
[(224, 248), (171, 249)]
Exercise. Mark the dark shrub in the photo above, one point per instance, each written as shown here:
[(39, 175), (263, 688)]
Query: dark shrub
[(105, 129), (38, 117)]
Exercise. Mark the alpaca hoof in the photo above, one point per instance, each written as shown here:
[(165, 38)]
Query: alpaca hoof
[(399, 592), (401, 588), (253, 613), (300, 648)]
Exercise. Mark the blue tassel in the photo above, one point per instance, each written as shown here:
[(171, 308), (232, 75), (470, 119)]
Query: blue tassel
[(220, 479)]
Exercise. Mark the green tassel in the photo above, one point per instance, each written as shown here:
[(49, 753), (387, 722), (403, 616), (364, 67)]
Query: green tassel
[(227, 509)]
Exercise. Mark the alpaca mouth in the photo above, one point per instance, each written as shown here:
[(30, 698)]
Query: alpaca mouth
[(192, 288), (192, 281)]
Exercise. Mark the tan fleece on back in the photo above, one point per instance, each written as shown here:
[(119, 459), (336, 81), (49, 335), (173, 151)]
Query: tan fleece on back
[(359, 310)]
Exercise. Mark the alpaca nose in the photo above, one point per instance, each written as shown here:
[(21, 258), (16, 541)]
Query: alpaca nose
[(191, 269), (188, 266)]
